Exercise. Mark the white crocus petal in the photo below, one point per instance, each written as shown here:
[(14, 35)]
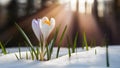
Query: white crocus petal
[(36, 28), (52, 20), (44, 19), (46, 28)]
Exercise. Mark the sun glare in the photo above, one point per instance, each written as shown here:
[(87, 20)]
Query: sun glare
[(101, 8), (85, 6), (82, 6), (89, 6), (73, 5), (63, 1)]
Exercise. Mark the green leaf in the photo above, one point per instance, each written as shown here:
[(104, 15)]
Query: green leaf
[(107, 57), (16, 56), (26, 38), (85, 41), (3, 48), (48, 54), (54, 40), (38, 52), (60, 41), (95, 51), (26, 55), (75, 43), (45, 53), (24, 35), (68, 41), (32, 55), (20, 53)]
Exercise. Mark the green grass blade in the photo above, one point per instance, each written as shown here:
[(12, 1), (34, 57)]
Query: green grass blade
[(45, 53), (68, 41), (75, 43), (54, 39), (32, 55), (16, 56), (3, 48), (50, 46), (38, 52), (27, 55), (25, 37), (95, 51), (20, 53), (107, 57), (85, 41), (107, 50), (26, 44), (48, 54), (60, 41)]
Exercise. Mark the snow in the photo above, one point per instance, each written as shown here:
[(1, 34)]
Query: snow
[(81, 59)]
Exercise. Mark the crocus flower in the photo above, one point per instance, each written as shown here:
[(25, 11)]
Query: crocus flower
[(36, 28), (44, 26), (47, 26)]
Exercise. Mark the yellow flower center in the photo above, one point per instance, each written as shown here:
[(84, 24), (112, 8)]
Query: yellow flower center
[(47, 22)]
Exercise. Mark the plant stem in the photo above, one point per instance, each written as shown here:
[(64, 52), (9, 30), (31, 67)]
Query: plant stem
[(20, 53), (42, 50), (75, 43), (69, 52), (85, 41), (107, 57), (60, 41), (3, 48), (26, 55), (16, 56), (26, 38), (95, 51)]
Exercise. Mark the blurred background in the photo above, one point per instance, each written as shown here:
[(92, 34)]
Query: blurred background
[(99, 19)]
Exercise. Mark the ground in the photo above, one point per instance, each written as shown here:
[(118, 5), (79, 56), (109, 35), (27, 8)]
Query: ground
[(81, 59)]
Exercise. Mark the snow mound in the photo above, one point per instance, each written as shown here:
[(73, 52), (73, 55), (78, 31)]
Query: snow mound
[(84, 59)]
